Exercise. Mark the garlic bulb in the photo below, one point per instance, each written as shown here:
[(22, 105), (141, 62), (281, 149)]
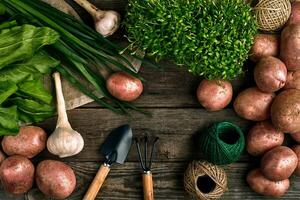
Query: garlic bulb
[(64, 141), (106, 22)]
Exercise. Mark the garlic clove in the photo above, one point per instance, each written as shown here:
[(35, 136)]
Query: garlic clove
[(65, 142), (107, 23)]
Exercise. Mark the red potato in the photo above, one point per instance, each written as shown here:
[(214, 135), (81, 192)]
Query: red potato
[(253, 104), (290, 47), (270, 74), (29, 142), (55, 179), (262, 137), (124, 87), (293, 80), (296, 149), (285, 111), (262, 185), (295, 14), (279, 163), (17, 174), (2, 157), (296, 137), (264, 45), (214, 94)]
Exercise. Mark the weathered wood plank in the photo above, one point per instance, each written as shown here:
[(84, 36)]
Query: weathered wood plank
[(174, 87), (124, 182), (177, 129)]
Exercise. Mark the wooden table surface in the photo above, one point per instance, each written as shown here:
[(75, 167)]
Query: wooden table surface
[(176, 119)]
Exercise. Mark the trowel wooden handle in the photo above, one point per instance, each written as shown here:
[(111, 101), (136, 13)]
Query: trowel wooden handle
[(148, 186), (97, 183)]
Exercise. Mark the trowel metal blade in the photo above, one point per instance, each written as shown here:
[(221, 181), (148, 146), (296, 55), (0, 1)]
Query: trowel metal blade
[(117, 145)]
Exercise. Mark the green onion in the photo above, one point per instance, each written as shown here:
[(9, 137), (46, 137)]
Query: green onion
[(81, 49)]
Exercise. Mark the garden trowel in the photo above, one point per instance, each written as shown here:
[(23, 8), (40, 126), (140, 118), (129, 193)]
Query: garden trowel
[(115, 149)]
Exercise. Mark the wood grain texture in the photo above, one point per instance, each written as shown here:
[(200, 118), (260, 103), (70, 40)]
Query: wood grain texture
[(125, 182), (177, 129), (173, 87)]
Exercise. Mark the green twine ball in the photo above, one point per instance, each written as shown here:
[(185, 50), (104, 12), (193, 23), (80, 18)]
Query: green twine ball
[(222, 143)]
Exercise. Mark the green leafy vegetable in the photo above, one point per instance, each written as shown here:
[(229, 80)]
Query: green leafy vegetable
[(21, 42), (9, 121), (8, 24), (34, 89), (33, 110), (2, 9), (211, 38), (7, 88), (82, 50), (30, 69)]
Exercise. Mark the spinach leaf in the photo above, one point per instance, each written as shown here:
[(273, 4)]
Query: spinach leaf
[(9, 121), (8, 24), (34, 90), (2, 9), (7, 88), (32, 109), (31, 69), (21, 42)]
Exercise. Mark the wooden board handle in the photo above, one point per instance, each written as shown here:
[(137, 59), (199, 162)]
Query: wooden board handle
[(148, 186), (97, 183)]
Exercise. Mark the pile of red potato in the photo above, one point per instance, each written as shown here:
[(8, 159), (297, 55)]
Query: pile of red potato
[(274, 104), (17, 173)]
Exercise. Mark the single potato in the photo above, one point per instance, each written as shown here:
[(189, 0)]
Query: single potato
[(264, 186), (285, 111), (17, 174), (29, 142), (279, 163), (263, 137), (55, 179), (124, 86), (253, 104), (264, 45), (290, 47), (270, 74), (214, 95)]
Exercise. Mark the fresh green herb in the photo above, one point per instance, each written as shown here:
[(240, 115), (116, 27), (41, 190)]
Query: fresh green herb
[(82, 50), (211, 37), (22, 93), (34, 89), (30, 69), (7, 88), (9, 121), (21, 42), (32, 111)]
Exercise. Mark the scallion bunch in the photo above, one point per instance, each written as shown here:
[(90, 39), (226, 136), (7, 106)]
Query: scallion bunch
[(82, 51)]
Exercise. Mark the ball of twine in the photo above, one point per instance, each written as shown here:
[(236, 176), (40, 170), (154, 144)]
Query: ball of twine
[(205, 181), (271, 15), (222, 143)]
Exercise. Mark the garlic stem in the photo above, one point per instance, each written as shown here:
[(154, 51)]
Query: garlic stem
[(62, 120), (106, 22), (64, 141), (90, 8)]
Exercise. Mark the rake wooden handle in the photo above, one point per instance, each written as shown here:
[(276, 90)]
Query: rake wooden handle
[(148, 186), (97, 182)]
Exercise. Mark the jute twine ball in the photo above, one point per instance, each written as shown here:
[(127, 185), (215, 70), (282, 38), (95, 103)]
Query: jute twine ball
[(222, 143), (272, 15), (205, 181)]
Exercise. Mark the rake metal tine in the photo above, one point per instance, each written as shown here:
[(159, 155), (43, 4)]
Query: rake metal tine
[(146, 152), (152, 152), (139, 153)]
